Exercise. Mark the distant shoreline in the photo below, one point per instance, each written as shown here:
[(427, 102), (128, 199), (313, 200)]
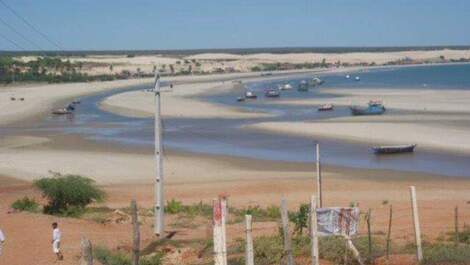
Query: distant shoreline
[(276, 50)]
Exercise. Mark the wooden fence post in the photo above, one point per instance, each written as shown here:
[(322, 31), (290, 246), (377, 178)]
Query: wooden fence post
[(456, 224), (249, 254), (87, 252), (389, 232), (218, 219), (414, 204), (369, 236), (285, 229), (314, 231), (135, 234)]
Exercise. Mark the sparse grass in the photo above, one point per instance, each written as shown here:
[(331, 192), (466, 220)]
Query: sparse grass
[(441, 253), (109, 257), (198, 209), (463, 236), (26, 204)]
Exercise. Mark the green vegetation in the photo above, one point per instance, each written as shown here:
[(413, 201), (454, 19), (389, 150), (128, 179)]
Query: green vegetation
[(198, 209), (68, 194), (47, 69), (441, 253), (108, 257), (463, 236), (300, 218), (25, 204)]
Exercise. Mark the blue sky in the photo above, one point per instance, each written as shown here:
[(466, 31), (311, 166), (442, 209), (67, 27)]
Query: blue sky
[(193, 24)]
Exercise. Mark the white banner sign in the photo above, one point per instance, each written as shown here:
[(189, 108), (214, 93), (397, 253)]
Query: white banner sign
[(337, 221)]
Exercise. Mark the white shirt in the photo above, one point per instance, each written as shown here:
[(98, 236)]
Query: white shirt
[(2, 236), (56, 234)]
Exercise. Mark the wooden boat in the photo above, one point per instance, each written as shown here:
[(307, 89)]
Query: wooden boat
[(303, 86), (76, 102), (326, 107), (61, 111), (250, 94), (373, 108), (394, 149), (272, 93), (240, 99)]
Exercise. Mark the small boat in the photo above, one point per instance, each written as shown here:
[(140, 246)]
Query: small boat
[(394, 149), (70, 107), (373, 108), (315, 81), (61, 111), (326, 107), (357, 78), (348, 76), (303, 86), (250, 94), (286, 87), (240, 99), (76, 102), (272, 93)]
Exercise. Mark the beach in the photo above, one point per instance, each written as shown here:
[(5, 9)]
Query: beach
[(127, 172)]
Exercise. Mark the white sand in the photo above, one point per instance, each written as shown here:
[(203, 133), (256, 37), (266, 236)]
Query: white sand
[(41, 98), (443, 120), (177, 103)]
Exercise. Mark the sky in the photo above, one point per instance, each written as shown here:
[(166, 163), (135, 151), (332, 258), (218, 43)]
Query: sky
[(198, 24)]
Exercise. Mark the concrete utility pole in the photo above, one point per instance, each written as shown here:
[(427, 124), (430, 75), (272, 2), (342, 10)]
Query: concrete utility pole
[(159, 191), (319, 180)]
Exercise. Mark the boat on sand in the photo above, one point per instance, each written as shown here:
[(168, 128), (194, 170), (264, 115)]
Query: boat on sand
[(326, 107), (373, 108), (394, 149)]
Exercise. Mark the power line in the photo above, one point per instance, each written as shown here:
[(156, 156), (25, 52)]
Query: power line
[(19, 34), (32, 26), (12, 42)]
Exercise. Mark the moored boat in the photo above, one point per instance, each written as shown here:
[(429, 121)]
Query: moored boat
[(272, 93), (286, 87), (357, 78), (326, 107), (240, 99), (61, 111), (315, 81), (303, 86), (394, 149), (250, 94), (373, 108)]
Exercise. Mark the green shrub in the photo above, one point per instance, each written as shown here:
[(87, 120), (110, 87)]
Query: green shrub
[(176, 207), (300, 218), (268, 250), (446, 254), (464, 236), (68, 194), (25, 204), (173, 207), (108, 257)]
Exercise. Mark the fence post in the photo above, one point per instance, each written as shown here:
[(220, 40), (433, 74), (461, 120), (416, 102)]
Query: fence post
[(314, 231), (249, 255), (135, 234), (87, 253), (285, 229), (389, 232), (414, 204), (218, 218), (369, 236), (456, 224)]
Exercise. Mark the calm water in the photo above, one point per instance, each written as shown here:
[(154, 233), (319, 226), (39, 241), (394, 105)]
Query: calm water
[(224, 136)]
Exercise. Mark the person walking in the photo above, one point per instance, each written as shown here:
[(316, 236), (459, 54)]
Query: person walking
[(2, 240), (56, 235)]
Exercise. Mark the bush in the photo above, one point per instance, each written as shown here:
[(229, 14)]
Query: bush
[(300, 218), (68, 194), (25, 204), (176, 207)]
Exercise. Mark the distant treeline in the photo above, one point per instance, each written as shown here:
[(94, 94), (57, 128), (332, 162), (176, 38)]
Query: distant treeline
[(47, 69), (278, 50)]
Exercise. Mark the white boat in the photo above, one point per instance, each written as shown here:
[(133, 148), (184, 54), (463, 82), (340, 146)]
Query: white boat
[(250, 94), (348, 76), (357, 78), (286, 87)]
